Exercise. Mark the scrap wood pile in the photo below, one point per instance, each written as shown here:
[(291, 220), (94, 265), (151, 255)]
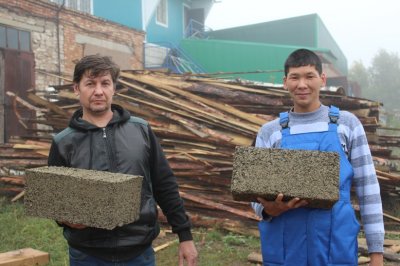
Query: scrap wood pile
[(199, 121)]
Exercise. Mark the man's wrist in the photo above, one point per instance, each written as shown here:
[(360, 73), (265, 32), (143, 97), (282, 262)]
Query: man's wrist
[(266, 216), (185, 235)]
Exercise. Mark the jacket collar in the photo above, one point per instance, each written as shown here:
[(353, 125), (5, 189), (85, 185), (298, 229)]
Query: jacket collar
[(120, 115)]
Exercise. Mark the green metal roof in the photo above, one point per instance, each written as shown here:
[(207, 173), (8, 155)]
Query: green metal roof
[(234, 56), (301, 32)]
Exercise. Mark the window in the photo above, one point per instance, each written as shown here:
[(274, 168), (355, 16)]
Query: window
[(162, 13), (15, 39), (73, 4), (24, 40), (3, 36), (79, 5), (12, 38)]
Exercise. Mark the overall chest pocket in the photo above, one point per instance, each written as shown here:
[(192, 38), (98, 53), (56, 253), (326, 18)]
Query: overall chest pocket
[(313, 145)]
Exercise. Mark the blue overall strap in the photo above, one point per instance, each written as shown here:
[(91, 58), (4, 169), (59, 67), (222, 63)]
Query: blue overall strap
[(284, 122), (333, 114), (333, 118)]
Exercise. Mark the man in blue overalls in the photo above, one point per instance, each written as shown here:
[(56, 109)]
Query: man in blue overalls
[(291, 233)]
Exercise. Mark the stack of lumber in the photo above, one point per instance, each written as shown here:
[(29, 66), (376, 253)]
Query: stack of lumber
[(15, 157), (199, 121)]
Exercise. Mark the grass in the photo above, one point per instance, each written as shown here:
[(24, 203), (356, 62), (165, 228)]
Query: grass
[(216, 248), (18, 231)]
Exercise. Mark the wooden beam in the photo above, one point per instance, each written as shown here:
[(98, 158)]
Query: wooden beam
[(26, 257), (219, 206)]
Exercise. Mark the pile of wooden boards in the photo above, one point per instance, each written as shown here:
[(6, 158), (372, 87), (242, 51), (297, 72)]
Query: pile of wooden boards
[(199, 120)]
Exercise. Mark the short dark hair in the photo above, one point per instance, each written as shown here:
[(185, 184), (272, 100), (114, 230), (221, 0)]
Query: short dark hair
[(303, 57), (96, 65)]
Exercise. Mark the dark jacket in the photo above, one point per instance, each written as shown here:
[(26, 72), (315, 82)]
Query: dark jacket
[(126, 145)]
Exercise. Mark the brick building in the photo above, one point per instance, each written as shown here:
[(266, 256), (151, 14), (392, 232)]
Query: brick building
[(40, 41)]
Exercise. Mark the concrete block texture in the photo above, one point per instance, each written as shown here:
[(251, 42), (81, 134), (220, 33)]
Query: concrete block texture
[(93, 198), (308, 175)]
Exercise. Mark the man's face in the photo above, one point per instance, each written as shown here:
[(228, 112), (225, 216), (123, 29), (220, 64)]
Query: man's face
[(304, 84), (95, 93)]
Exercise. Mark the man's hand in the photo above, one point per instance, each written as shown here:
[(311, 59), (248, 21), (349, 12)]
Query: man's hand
[(277, 207), (376, 259), (75, 226), (188, 252)]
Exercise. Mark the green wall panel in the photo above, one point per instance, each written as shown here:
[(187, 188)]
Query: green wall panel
[(230, 56)]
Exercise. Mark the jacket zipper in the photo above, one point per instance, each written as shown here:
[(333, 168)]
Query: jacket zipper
[(109, 151), (111, 160)]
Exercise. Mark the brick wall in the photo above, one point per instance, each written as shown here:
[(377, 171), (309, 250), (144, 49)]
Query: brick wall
[(73, 32)]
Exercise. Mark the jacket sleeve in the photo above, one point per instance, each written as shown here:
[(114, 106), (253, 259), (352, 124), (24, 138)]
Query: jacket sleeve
[(165, 190), (366, 187), (55, 158)]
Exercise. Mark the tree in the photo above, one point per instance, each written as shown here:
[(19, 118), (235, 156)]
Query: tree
[(385, 79), (381, 81), (359, 74)]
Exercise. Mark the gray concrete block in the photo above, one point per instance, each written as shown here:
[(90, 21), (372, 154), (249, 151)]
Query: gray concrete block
[(93, 198), (309, 175)]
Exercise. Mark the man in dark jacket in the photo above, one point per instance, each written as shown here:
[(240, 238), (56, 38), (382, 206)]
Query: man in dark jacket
[(103, 136)]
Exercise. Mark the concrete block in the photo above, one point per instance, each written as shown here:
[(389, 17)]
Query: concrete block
[(93, 198), (309, 175)]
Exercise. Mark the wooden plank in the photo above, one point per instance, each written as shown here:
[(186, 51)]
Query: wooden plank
[(190, 96), (24, 103), (391, 176), (51, 106), (16, 180), (163, 246), (386, 255), (255, 257), (196, 112), (219, 206), (391, 217), (25, 256), (363, 260)]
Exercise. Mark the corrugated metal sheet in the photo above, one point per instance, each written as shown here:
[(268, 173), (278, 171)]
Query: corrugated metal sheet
[(302, 31), (231, 56)]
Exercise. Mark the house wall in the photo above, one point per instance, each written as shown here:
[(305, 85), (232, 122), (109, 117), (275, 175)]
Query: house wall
[(302, 31), (230, 56), (75, 33), (173, 32), (325, 39), (125, 12), (299, 31)]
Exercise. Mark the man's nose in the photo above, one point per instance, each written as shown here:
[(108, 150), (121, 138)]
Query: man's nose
[(302, 82), (98, 89)]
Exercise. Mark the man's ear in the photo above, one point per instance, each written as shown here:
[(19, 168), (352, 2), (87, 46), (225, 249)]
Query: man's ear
[(323, 77), (76, 89), (284, 83)]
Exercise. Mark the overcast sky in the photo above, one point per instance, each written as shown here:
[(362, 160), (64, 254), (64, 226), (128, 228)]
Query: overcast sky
[(360, 27)]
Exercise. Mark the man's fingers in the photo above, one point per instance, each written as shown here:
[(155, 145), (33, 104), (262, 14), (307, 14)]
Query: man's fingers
[(292, 203), (296, 203), (279, 198), (301, 203), (261, 200)]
